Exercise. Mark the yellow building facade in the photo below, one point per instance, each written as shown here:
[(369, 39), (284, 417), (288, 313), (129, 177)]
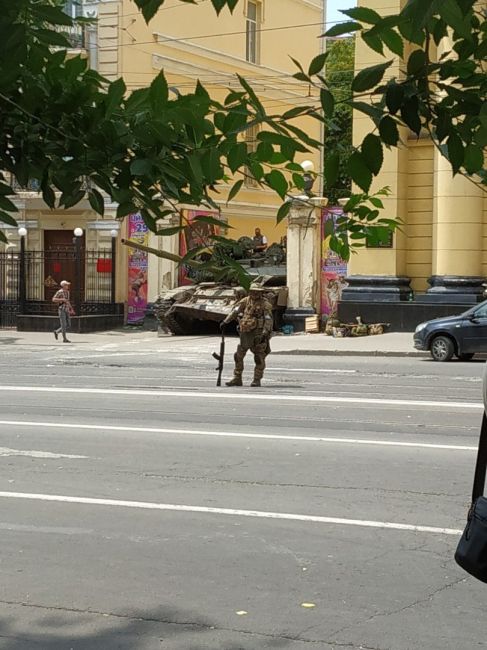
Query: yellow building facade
[(440, 250), (190, 43)]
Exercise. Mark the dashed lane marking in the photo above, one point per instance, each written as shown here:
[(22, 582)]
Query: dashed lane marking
[(232, 434), (31, 453), (144, 505), (246, 395)]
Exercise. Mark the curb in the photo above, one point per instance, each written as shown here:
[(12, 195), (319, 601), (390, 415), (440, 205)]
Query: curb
[(350, 353)]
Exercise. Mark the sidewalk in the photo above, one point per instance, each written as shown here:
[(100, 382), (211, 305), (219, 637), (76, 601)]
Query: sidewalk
[(396, 344), (383, 345)]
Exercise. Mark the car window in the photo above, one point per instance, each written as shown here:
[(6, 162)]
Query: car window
[(481, 312)]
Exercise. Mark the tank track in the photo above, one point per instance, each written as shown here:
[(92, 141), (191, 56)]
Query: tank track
[(172, 323)]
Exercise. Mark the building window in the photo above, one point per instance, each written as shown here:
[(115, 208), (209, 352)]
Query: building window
[(252, 53), (251, 142), (73, 8)]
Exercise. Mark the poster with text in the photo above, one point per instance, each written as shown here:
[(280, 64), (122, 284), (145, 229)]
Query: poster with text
[(333, 268), (137, 270), (196, 234)]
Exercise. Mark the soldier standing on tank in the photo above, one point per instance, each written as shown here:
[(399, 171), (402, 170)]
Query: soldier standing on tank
[(254, 314)]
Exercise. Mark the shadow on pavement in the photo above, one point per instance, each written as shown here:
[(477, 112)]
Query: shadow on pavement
[(24, 627)]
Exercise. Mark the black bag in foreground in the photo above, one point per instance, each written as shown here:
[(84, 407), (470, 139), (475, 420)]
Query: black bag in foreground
[(471, 553)]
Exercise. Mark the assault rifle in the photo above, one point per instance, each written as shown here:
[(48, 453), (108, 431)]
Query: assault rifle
[(220, 358)]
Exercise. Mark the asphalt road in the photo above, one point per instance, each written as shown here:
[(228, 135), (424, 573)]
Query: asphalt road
[(142, 508)]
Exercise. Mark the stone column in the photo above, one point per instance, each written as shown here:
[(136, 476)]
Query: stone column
[(168, 270), (457, 231), (303, 260)]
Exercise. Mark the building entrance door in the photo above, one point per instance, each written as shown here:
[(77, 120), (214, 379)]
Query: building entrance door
[(60, 262)]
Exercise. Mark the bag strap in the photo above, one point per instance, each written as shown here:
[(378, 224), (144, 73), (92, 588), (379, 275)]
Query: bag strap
[(481, 465)]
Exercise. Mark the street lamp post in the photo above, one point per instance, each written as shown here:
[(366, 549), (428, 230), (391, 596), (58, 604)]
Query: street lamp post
[(78, 233), (22, 232), (114, 234)]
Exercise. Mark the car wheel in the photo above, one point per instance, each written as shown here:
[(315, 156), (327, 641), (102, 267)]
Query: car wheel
[(442, 348), (465, 356)]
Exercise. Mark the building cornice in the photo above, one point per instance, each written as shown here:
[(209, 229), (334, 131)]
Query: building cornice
[(294, 93), (295, 90)]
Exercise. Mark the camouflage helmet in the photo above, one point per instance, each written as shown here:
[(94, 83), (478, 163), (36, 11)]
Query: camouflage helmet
[(257, 288)]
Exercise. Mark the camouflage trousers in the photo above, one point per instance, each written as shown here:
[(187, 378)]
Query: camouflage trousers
[(258, 344)]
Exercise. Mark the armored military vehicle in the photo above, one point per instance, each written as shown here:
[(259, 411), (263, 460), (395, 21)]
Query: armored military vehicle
[(196, 308), (201, 306)]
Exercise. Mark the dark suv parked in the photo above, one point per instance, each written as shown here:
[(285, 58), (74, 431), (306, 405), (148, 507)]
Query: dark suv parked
[(462, 335)]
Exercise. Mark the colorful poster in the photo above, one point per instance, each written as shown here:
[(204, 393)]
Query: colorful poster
[(196, 234), (333, 268), (137, 270)]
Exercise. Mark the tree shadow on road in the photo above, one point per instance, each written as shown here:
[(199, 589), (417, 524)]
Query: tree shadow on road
[(26, 627)]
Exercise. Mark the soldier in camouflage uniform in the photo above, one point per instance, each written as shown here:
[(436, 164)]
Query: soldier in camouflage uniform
[(254, 314)]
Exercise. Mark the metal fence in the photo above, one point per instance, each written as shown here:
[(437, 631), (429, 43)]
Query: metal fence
[(9, 288), (29, 279)]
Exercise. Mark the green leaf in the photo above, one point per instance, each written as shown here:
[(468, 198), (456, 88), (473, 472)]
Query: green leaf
[(53, 15), (256, 102), (158, 94), (211, 221), (372, 153), (327, 102), (374, 112), (48, 195), (363, 14), (393, 41), (317, 64), (235, 190), (388, 131), (410, 114), (452, 15), (237, 156), (370, 77), (359, 171), (331, 169), (171, 230), (373, 40), (125, 208), (277, 181), (394, 96), (140, 167), (68, 200), (51, 37), (96, 201), (283, 211), (416, 62), (343, 28), (116, 91), (7, 218), (6, 204), (377, 203), (456, 152)]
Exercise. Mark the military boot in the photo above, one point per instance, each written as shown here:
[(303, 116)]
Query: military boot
[(256, 383), (236, 381)]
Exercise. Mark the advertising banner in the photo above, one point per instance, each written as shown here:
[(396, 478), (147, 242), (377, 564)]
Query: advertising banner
[(195, 234), (137, 232), (333, 268)]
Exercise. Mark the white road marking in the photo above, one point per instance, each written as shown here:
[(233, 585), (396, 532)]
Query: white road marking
[(5, 451), (233, 434), (331, 371), (250, 395), (144, 505)]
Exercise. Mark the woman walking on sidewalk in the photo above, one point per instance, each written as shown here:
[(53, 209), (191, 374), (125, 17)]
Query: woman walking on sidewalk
[(65, 310)]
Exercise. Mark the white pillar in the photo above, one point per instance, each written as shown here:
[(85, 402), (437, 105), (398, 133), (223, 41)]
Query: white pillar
[(303, 260), (168, 270)]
